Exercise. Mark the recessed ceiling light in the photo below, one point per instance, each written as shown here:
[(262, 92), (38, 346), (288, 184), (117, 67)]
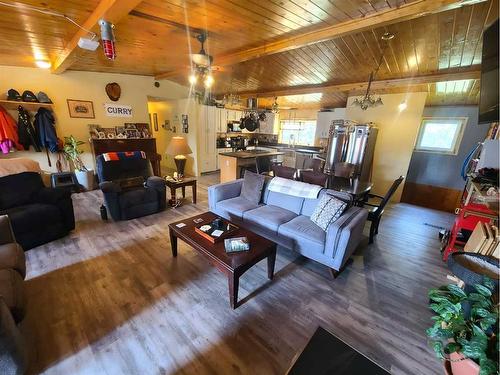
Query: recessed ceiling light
[(402, 106), (44, 64), (388, 36)]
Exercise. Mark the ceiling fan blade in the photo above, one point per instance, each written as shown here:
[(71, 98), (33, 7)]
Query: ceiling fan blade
[(217, 68)]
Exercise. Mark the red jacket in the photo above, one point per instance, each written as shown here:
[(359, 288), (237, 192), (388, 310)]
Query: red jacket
[(8, 132)]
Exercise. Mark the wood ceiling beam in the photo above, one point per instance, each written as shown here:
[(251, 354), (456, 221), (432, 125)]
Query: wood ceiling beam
[(472, 72), (111, 10), (405, 12)]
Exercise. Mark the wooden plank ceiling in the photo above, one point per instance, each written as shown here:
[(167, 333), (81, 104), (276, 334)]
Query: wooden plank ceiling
[(153, 39)]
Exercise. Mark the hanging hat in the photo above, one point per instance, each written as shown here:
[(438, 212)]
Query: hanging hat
[(28, 96), (114, 91), (14, 95), (43, 98)]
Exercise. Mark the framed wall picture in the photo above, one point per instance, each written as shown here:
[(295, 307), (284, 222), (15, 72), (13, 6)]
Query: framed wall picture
[(80, 108), (155, 121)]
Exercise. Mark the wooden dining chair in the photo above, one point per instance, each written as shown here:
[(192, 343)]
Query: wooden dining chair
[(375, 212), (285, 172), (315, 164), (315, 178), (343, 169), (263, 164)]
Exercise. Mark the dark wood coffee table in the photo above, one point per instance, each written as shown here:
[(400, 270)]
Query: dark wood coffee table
[(233, 265)]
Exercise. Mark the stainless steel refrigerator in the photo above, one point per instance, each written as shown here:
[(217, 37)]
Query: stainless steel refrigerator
[(351, 143)]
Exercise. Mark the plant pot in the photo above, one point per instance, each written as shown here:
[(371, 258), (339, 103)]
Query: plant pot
[(458, 365), (85, 179)]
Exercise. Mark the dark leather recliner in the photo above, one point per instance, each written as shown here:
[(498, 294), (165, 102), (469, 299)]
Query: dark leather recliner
[(38, 214), (145, 197)]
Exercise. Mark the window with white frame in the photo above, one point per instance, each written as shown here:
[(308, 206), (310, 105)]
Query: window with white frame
[(300, 132), (441, 134)]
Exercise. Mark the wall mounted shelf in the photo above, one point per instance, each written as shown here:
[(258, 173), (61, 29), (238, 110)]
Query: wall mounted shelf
[(30, 106)]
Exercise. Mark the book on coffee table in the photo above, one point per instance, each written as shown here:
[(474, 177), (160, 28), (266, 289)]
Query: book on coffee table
[(237, 244)]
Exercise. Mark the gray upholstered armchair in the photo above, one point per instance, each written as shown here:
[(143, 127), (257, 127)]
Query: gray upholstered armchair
[(130, 190)]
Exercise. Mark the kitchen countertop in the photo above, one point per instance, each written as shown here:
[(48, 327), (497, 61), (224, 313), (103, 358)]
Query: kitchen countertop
[(251, 154), (297, 148)]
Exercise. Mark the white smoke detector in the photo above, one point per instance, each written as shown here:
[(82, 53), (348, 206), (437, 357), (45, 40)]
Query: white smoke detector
[(89, 44)]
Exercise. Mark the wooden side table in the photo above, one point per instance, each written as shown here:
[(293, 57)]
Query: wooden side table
[(173, 185)]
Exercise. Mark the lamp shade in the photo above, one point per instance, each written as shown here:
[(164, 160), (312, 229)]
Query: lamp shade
[(178, 146)]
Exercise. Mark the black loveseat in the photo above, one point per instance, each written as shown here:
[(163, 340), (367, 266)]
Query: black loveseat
[(38, 214), (130, 190)]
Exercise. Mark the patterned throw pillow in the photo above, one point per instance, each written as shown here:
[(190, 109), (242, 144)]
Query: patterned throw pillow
[(328, 210)]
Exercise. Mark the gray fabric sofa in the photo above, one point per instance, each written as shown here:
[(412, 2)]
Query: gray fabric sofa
[(284, 219)]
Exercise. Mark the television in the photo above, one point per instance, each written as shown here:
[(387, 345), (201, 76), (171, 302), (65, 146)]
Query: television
[(488, 102)]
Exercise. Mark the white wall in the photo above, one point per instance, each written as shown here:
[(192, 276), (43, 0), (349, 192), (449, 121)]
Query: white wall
[(85, 86), (396, 136)]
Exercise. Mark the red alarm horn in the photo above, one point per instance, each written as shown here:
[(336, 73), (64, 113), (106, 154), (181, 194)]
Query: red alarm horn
[(108, 39)]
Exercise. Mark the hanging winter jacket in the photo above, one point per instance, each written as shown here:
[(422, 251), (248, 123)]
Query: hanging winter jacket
[(27, 133), (46, 130), (8, 132)]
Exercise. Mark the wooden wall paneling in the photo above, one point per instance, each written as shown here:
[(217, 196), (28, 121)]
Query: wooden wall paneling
[(435, 197), (335, 58), (281, 9), (407, 11), (295, 70)]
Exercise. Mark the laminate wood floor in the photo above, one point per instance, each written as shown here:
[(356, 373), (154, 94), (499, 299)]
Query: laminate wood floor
[(110, 299)]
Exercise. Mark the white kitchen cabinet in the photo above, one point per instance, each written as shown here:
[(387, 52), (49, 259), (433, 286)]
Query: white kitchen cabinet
[(207, 136), (271, 125), (324, 120), (221, 120)]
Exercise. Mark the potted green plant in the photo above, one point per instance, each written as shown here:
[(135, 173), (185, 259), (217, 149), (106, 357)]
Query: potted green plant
[(465, 330), (72, 153)]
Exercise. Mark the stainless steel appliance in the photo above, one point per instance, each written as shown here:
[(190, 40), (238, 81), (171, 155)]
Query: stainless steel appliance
[(351, 143)]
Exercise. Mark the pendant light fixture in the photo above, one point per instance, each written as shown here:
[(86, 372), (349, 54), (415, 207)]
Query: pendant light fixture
[(275, 108), (369, 101)]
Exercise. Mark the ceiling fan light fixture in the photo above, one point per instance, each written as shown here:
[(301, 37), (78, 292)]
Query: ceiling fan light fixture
[(193, 79), (388, 36), (209, 81)]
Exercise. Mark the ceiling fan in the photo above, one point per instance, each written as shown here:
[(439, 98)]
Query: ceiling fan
[(202, 58), (201, 64)]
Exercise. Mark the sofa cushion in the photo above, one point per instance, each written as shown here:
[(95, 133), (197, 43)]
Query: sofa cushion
[(306, 235), (252, 187), (236, 206), (13, 358), (31, 217), (269, 216), (327, 211), (12, 291), (286, 201), (12, 256), (136, 197)]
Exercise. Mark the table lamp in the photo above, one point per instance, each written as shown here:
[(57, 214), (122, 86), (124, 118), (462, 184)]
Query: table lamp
[(178, 148)]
